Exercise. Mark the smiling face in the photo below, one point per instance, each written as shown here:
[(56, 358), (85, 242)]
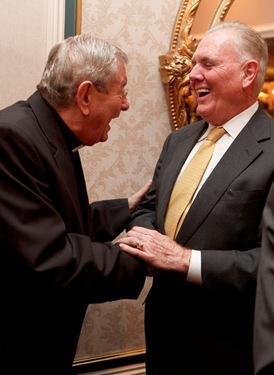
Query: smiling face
[(90, 116), (104, 107), (217, 78)]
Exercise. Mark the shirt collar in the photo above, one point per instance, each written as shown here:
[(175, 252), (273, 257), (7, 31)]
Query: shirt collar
[(72, 142), (234, 126)]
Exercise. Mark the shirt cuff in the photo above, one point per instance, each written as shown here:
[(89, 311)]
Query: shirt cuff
[(194, 275)]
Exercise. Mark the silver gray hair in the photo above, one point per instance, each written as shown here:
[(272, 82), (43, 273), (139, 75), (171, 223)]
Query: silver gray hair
[(77, 59), (249, 44)]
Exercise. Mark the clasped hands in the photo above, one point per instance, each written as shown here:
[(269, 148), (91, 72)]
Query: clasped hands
[(159, 251)]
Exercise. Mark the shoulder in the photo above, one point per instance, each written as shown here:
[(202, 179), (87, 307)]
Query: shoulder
[(187, 131)]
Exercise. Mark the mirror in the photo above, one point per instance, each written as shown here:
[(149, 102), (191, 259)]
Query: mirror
[(194, 17)]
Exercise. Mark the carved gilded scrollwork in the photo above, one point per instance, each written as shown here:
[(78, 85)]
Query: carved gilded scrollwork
[(175, 66), (221, 12)]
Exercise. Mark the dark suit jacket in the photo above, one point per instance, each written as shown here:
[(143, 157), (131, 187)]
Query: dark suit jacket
[(208, 329), (264, 308), (52, 260)]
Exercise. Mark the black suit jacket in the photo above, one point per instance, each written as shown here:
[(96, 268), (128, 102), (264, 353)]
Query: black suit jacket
[(53, 261), (208, 329), (264, 308)]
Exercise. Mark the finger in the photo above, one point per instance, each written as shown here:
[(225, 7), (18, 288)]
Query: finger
[(130, 241), (147, 186), (144, 189), (134, 251), (129, 249)]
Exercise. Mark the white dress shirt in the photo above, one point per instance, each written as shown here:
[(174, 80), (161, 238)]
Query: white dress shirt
[(233, 127)]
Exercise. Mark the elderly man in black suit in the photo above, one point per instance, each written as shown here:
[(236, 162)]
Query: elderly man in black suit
[(55, 255)]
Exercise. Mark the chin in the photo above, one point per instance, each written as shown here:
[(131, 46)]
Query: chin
[(104, 138), (205, 114)]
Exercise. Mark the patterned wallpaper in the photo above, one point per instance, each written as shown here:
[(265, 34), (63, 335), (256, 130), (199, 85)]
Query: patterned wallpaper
[(126, 161)]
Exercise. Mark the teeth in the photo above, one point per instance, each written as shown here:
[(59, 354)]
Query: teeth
[(202, 90)]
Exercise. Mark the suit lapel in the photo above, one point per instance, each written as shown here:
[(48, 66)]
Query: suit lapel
[(189, 138), (243, 151), (59, 149)]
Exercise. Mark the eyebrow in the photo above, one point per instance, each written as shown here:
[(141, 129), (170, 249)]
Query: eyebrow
[(203, 60)]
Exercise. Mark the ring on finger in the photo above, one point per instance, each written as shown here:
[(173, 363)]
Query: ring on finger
[(139, 244)]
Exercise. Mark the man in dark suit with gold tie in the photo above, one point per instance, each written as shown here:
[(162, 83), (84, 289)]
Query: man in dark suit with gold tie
[(199, 311)]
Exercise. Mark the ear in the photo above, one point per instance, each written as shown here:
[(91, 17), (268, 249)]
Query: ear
[(249, 70), (84, 96)]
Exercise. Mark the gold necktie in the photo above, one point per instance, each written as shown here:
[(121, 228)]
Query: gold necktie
[(188, 182)]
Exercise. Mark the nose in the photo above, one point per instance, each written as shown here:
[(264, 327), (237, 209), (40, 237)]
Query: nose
[(125, 104), (192, 74), (195, 74)]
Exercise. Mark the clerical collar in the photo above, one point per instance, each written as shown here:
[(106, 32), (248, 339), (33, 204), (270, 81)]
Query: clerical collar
[(77, 147), (72, 142)]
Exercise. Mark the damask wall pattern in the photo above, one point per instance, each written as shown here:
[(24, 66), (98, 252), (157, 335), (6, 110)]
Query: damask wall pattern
[(126, 161)]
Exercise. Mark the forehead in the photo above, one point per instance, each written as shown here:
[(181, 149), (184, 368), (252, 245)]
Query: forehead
[(217, 44), (119, 79), (121, 75)]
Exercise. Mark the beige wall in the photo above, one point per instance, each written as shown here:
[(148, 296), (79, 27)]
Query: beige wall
[(22, 47), (28, 30)]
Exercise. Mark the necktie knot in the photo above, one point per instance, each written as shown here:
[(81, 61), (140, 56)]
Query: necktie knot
[(215, 134)]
